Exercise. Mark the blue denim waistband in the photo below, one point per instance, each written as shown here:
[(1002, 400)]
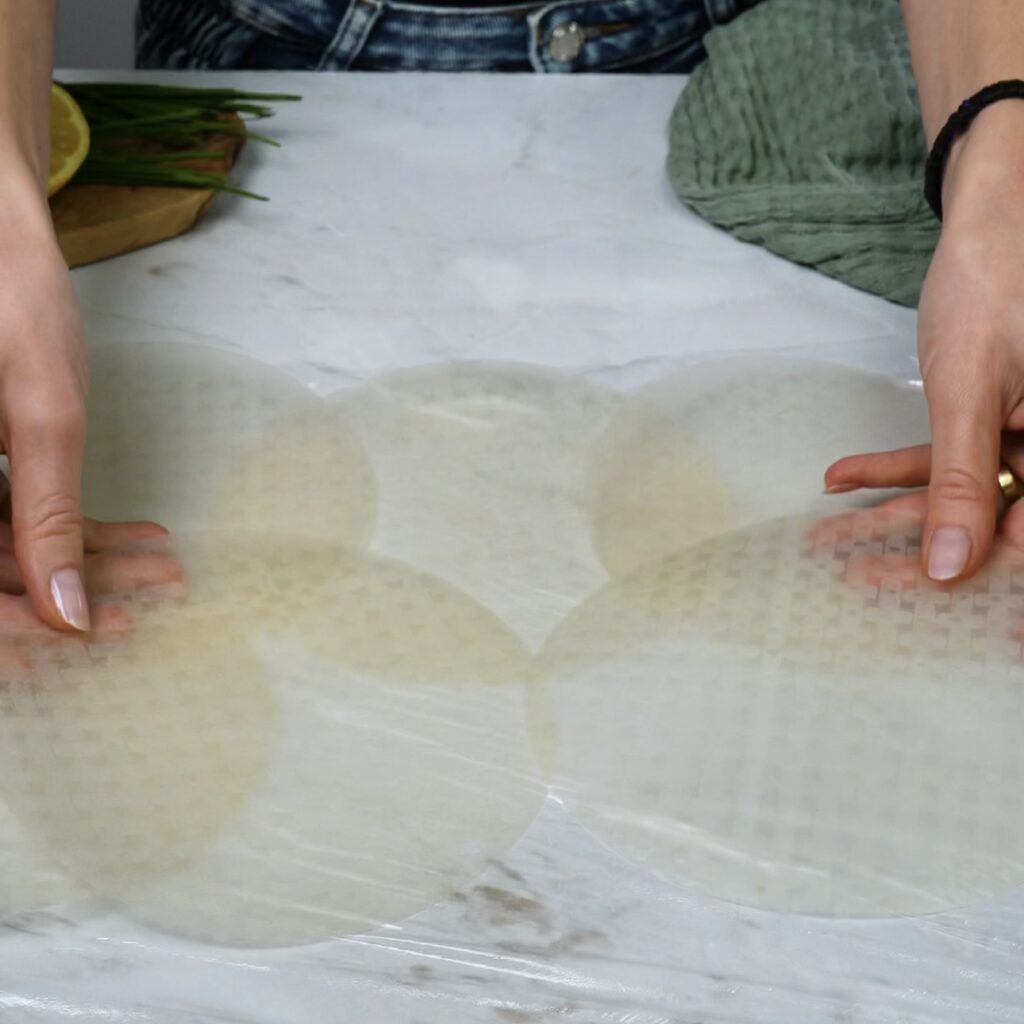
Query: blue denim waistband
[(561, 36)]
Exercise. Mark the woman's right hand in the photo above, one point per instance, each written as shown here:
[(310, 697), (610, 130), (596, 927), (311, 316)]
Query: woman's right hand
[(122, 561), (43, 382)]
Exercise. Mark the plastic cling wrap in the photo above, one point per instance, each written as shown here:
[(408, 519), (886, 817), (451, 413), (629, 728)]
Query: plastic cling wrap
[(497, 693)]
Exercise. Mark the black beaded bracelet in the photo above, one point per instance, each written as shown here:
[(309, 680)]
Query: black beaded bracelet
[(958, 123)]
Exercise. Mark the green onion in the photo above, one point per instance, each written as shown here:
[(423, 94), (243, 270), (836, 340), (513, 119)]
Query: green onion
[(143, 133)]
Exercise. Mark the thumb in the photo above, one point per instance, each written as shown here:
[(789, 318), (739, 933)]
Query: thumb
[(966, 427), (45, 448)]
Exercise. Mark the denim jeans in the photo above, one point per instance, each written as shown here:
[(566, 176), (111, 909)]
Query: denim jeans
[(399, 35)]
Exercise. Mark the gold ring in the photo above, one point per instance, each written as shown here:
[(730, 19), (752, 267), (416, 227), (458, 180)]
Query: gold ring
[(1010, 488)]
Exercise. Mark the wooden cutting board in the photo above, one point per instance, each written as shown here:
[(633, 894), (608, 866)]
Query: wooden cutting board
[(95, 222)]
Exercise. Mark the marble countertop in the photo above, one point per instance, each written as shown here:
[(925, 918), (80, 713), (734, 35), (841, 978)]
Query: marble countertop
[(422, 219)]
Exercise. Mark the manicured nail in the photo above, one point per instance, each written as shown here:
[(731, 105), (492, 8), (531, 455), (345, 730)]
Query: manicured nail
[(841, 488), (950, 548), (69, 596)]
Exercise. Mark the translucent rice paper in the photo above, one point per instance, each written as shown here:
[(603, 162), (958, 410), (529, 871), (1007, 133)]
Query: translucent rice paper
[(30, 879), (192, 436), (798, 725), (481, 477), (734, 442), (315, 743)]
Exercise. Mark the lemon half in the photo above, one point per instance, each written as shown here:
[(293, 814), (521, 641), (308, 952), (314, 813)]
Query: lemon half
[(69, 138)]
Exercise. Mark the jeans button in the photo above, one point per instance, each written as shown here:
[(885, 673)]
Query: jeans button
[(566, 42)]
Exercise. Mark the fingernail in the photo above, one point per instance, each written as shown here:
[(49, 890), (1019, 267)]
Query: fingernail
[(840, 488), (69, 596), (950, 548)]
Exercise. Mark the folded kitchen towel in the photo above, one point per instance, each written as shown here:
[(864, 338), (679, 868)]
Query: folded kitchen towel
[(801, 133)]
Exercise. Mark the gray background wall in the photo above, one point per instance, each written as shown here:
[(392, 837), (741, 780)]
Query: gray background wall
[(94, 33)]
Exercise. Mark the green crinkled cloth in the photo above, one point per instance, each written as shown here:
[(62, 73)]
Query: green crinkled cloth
[(802, 133)]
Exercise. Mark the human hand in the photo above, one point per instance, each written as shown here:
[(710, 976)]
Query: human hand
[(887, 538), (971, 351), (42, 406), (120, 559)]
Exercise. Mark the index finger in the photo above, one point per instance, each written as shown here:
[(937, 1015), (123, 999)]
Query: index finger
[(45, 445)]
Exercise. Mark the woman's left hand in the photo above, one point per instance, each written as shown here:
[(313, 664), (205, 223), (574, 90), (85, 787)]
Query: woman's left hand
[(971, 351), (911, 468)]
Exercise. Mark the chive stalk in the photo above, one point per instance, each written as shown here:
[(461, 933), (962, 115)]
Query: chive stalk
[(147, 134)]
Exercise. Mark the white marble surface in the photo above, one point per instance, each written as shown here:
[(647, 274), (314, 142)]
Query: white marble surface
[(423, 219)]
